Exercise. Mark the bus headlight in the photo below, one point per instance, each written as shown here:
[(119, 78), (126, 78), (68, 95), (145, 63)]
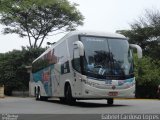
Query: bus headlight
[(89, 83)]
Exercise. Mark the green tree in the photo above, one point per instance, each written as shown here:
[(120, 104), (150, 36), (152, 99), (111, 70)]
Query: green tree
[(146, 33), (13, 73), (37, 19), (149, 77)]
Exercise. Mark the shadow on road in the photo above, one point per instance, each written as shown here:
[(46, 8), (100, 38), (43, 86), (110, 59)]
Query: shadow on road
[(88, 104)]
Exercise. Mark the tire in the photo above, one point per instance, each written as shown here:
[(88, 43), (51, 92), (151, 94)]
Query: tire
[(62, 100), (38, 95), (35, 92), (68, 95), (110, 101)]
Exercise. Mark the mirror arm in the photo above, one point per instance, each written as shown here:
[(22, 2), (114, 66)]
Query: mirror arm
[(139, 49)]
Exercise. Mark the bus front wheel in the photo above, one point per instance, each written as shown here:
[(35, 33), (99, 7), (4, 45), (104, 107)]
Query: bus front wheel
[(68, 95)]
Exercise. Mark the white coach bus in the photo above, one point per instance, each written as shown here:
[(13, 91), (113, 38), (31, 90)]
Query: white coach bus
[(86, 65)]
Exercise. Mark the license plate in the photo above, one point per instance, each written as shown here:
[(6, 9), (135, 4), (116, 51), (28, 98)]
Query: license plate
[(113, 93)]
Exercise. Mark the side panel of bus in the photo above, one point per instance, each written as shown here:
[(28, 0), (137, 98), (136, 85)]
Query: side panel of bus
[(61, 69), (51, 71)]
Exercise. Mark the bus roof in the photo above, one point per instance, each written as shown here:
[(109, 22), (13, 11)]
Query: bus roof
[(95, 33), (86, 33)]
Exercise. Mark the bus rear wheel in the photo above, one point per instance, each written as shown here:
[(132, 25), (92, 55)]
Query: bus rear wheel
[(68, 95), (38, 96), (110, 101)]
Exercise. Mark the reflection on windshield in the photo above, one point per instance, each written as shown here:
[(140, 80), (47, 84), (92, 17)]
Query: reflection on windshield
[(106, 57)]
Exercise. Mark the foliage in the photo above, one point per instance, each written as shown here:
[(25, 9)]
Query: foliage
[(149, 71), (148, 78), (13, 73), (36, 19), (146, 33)]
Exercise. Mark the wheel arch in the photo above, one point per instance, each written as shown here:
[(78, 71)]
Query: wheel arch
[(67, 82)]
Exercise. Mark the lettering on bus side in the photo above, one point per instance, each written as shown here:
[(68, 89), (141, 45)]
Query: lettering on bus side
[(65, 68)]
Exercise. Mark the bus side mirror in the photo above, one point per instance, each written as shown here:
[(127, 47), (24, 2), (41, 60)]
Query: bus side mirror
[(139, 49), (80, 46)]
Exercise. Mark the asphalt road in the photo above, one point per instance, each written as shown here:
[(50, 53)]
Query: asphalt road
[(28, 108)]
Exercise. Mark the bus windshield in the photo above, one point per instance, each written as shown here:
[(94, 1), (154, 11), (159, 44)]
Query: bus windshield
[(107, 58)]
